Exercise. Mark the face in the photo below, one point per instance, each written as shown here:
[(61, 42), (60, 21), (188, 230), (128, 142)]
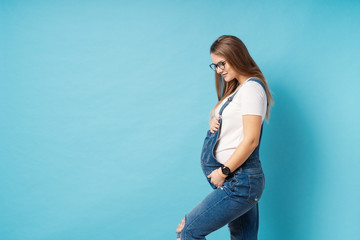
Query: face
[(228, 72)]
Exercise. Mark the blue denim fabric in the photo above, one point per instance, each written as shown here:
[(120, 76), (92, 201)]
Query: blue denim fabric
[(234, 203)]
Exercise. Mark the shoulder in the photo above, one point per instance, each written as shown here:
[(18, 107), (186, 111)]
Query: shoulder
[(251, 90), (253, 87), (252, 99)]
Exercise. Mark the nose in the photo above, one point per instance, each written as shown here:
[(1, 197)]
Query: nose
[(218, 70)]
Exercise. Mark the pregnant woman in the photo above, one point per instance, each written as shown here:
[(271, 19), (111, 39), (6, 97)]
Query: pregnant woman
[(230, 155)]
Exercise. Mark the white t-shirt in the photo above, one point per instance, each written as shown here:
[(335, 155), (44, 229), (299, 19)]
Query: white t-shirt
[(249, 100)]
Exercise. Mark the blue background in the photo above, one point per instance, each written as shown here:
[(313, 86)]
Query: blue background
[(105, 104)]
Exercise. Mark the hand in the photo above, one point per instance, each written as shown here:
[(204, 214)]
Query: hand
[(214, 124), (217, 177)]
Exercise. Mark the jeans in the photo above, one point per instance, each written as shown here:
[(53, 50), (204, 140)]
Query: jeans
[(235, 203)]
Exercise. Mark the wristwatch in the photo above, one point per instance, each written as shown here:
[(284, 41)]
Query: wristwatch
[(225, 170)]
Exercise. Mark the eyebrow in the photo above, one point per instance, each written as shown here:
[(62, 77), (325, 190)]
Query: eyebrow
[(219, 61)]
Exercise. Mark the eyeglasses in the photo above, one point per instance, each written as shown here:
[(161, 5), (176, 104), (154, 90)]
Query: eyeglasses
[(220, 65)]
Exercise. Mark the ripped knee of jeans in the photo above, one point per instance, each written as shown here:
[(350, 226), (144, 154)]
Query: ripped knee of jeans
[(180, 228)]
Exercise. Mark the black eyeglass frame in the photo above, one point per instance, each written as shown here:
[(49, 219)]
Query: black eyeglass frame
[(220, 65)]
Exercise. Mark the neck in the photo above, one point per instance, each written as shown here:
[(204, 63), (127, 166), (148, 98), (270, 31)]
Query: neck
[(241, 79)]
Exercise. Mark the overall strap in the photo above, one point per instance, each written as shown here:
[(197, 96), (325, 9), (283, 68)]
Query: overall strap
[(227, 102)]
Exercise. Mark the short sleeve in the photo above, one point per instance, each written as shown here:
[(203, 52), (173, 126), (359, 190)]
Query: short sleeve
[(253, 99)]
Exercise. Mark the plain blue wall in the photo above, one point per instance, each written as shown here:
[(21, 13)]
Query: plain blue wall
[(104, 108)]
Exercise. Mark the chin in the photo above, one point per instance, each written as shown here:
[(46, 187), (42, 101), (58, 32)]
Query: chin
[(227, 79)]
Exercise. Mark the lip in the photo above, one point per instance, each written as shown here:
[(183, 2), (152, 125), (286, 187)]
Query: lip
[(224, 75)]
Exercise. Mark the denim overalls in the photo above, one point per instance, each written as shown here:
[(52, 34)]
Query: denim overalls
[(234, 203)]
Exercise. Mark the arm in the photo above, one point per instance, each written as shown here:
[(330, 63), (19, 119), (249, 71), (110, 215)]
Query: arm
[(251, 127)]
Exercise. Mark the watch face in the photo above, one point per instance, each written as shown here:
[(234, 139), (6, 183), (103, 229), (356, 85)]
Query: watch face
[(225, 170)]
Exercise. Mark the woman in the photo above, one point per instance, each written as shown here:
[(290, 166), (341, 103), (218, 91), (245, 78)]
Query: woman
[(230, 155)]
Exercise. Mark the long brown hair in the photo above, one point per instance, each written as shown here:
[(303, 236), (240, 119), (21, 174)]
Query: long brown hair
[(237, 55)]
